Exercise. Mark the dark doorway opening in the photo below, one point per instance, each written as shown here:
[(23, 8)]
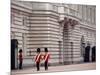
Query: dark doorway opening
[(14, 49)]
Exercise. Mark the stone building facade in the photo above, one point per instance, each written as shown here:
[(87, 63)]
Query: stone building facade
[(63, 28)]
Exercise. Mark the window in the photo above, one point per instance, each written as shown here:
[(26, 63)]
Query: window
[(91, 16), (91, 34), (87, 33), (12, 18), (65, 10), (94, 15), (24, 20), (24, 41), (85, 13), (55, 8), (12, 35), (72, 11)]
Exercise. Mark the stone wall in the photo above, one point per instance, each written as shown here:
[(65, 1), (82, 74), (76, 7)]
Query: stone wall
[(36, 25)]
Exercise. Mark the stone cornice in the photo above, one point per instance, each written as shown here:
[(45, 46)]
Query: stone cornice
[(87, 26), (21, 7)]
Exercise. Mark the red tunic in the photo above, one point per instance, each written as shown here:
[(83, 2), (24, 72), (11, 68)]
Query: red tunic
[(46, 57), (20, 57), (37, 58)]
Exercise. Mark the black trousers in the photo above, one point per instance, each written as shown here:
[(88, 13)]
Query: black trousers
[(86, 59), (20, 64), (38, 66), (46, 65), (93, 58)]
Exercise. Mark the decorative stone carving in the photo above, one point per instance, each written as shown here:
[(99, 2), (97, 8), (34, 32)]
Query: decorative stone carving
[(68, 22)]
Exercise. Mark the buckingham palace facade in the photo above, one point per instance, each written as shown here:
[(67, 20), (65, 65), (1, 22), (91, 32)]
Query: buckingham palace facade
[(65, 29)]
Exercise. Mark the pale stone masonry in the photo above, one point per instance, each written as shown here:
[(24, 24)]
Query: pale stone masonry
[(42, 24)]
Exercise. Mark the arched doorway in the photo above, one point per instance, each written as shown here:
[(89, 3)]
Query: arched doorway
[(68, 25), (14, 53)]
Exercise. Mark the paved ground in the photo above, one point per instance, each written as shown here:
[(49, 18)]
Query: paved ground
[(75, 67)]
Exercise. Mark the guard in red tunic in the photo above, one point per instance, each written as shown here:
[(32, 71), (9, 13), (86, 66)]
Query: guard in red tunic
[(37, 59), (20, 59), (46, 57)]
